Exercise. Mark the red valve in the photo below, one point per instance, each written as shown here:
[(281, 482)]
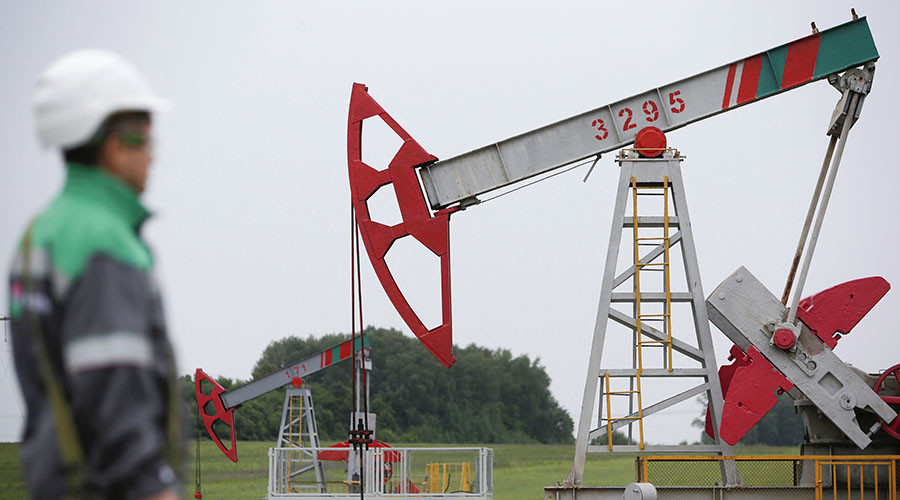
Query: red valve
[(650, 142), (784, 338)]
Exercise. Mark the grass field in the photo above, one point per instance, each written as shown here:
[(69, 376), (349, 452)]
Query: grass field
[(520, 471)]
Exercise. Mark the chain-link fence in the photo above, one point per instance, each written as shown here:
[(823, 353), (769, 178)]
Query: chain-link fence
[(819, 477), (463, 473)]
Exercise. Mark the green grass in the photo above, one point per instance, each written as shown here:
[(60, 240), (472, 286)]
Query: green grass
[(12, 483), (520, 470)]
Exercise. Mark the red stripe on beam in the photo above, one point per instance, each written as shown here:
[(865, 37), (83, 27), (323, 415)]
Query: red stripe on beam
[(345, 350), (728, 84), (800, 61), (327, 358), (749, 79)]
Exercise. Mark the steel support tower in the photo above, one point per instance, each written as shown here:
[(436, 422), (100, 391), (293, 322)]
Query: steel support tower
[(651, 319), (298, 413)]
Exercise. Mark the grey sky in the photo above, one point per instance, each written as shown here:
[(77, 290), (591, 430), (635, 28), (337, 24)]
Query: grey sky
[(250, 179)]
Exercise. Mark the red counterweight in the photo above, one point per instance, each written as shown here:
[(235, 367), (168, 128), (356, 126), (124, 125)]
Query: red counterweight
[(835, 311), (217, 413), (750, 383)]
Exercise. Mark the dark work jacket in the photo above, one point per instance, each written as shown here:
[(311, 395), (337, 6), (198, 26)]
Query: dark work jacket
[(102, 322)]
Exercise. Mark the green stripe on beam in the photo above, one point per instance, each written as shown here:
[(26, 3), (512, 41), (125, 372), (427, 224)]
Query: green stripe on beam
[(849, 44)]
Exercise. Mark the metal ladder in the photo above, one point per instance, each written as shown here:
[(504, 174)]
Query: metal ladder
[(651, 320), (663, 319)]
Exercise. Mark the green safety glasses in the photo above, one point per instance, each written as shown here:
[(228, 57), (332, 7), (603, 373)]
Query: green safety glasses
[(135, 140)]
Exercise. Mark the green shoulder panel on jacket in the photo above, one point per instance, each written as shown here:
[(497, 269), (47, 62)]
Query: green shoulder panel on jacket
[(74, 229)]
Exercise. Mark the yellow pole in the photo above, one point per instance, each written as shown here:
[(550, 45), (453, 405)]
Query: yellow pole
[(668, 283), (608, 413)]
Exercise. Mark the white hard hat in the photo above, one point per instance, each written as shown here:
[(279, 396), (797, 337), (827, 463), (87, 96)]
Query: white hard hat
[(81, 89)]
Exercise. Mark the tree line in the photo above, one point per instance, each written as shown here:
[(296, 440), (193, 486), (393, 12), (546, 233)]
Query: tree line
[(488, 396)]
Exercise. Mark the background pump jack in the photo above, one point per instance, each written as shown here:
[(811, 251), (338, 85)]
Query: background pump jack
[(767, 335), (216, 407)]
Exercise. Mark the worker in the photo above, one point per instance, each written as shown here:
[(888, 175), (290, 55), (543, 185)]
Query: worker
[(91, 350)]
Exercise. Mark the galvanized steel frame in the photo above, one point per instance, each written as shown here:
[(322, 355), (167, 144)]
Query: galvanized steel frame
[(462, 178), (650, 170)]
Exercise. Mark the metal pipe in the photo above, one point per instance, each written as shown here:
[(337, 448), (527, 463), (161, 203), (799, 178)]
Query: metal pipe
[(809, 217), (823, 206)]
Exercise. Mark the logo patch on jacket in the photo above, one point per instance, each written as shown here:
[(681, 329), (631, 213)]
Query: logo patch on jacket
[(36, 301)]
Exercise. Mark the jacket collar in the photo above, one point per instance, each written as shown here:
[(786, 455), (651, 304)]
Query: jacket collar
[(105, 190)]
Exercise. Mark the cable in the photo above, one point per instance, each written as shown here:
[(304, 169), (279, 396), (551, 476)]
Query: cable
[(197, 494), (355, 439), (362, 337), (6, 320), (353, 230), (573, 167)]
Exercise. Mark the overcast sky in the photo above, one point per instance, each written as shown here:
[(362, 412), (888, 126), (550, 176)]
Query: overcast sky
[(250, 188)]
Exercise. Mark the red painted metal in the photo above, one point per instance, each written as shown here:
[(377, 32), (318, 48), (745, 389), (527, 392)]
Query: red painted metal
[(221, 414), (342, 448), (784, 338), (752, 392), (749, 79), (750, 383), (431, 231), (750, 387), (648, 139), (726, 373), (835, 311), (893, 429), (801, 61)]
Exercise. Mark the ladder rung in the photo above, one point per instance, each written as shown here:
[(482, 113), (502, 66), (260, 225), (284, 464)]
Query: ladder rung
[(652, 238), (621, 393), (650, 221), (626, 297), (661, 342), (642, 316), (653, 264)]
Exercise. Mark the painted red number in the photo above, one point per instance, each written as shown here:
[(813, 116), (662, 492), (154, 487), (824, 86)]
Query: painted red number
[(287, 372), (598, 123), (674, 100), (628, 124), (651, 111)]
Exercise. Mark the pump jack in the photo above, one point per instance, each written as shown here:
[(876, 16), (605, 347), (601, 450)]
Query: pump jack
[(217, 405), (793, 345)]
